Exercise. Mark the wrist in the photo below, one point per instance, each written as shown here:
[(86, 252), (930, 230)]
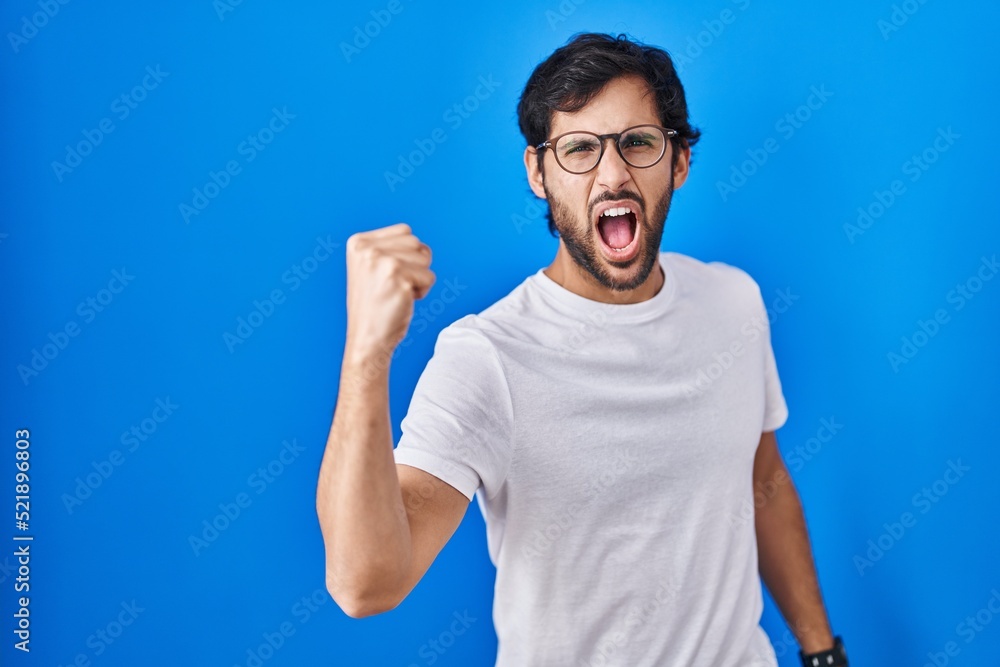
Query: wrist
[(814, 643), (365, 369), (833, 656), (815, 636), (367, 354)]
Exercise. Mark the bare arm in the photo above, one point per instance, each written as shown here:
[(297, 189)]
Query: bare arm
[(382, 524), (785, 557)]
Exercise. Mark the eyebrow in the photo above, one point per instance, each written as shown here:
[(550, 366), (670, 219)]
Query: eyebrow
[(582, 141)]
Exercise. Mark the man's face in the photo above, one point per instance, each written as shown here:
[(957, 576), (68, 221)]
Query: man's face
[(618, 254)]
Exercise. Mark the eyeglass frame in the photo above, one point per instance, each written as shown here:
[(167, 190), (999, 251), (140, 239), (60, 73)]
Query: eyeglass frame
[(551, 143)]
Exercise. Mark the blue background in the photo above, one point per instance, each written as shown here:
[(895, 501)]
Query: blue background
[(323, 176)]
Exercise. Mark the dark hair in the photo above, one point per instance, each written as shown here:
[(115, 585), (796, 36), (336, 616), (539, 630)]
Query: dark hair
[(575, 73)]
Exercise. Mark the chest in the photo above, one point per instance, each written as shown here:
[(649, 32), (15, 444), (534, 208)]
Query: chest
[(625, 414)]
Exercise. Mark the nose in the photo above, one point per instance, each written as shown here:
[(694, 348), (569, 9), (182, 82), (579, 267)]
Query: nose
[(612, 170)]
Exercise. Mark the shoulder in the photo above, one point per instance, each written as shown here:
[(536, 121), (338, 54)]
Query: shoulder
[(473, 342), (714, 276), (466, 335), (506, 318)]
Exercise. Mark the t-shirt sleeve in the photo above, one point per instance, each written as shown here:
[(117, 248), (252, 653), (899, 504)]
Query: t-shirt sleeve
[(459, 423), (775, 408)]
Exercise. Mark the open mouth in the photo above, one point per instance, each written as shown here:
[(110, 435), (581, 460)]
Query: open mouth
[(618, 229)]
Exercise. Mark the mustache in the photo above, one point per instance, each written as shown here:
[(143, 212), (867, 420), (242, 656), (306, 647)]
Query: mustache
[(624, 195)]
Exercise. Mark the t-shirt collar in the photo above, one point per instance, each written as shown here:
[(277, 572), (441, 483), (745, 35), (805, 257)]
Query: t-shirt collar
[(574, 304)]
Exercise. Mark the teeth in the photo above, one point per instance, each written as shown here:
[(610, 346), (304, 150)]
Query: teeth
[(611, 212), (621, 210)]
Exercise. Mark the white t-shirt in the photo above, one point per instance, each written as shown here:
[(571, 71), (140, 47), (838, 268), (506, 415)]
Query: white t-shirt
[(611, 450)]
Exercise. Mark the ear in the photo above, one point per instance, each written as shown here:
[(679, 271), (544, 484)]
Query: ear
[(535, 177), (681, 166)]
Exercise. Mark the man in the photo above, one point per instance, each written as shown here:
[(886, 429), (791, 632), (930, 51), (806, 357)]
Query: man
[(614, 414)]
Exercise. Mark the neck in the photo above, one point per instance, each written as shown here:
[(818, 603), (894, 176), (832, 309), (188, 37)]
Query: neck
[(570, 275)]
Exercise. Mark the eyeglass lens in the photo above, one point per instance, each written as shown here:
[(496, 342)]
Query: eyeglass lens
[(640, 146)]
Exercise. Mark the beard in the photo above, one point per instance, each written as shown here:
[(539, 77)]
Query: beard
[(582, 246)]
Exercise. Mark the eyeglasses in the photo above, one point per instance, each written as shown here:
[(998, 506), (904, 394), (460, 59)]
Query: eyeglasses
[(578, 152)]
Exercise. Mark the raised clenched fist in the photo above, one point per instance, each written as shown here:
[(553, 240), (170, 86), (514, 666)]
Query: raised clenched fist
[(387, 270)]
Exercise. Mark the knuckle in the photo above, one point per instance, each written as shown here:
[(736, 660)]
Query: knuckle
[(374, 254), (394, 270)]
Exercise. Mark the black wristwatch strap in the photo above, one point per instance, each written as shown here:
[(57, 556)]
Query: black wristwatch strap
[(835, 657)]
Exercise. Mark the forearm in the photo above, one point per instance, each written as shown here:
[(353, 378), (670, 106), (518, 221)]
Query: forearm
[(358, 499), (787, 569)]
